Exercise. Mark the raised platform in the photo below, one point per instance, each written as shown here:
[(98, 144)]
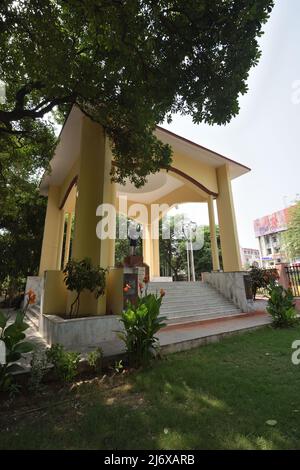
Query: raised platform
[(184, 337), (173, 338)]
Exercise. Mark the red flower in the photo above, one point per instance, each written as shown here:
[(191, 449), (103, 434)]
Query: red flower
[(146, 279), (162, 293), (31, 297)]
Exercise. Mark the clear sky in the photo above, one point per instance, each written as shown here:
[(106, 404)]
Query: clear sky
[(266, 134)]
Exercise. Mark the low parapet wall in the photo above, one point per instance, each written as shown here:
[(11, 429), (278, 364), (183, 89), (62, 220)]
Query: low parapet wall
[(78, 333), (233, 286)]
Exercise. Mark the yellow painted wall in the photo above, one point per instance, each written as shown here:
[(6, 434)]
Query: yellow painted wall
[(55, 293), (205, 174), (67, 181), (115, 291), (184, 194), (52, 239), (228, 231), (94, 188)]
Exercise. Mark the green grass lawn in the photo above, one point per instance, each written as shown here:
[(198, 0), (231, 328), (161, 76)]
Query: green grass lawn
[(215, 397)]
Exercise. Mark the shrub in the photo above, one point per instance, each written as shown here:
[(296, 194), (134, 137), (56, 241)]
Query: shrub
[(12, 288), (65, 363), (118, 367), (141, 323), (262, 278), (94, 360), (281, 306), (13, 337), (80, 275)]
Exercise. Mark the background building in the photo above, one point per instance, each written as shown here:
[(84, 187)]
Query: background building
[(250, 257), (270, 230)]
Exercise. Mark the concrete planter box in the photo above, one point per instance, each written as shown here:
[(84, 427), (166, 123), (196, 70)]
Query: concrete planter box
[(76, 333)]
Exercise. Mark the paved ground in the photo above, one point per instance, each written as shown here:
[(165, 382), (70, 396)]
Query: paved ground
[(182, 337), (189, 336), (177, 337)]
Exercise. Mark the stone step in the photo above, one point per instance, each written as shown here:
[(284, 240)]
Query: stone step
[(168, 287), (33, 316), (184, 289), (184, 292), (208, 308), (187, 295), (195, 300), (187, 302), (34, 309), (195, 311), (193, 319)]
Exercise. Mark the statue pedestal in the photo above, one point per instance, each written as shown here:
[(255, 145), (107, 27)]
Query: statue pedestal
[(123, 284), (133, 261), (134, 273), (132, 277)]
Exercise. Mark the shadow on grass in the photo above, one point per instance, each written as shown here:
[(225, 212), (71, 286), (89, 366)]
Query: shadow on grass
[(216, 397)]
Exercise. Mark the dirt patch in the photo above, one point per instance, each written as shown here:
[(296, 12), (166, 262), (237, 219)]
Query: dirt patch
[(71, 399)]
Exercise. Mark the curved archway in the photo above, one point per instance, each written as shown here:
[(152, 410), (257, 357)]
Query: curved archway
[(192, 180), (70, 187)]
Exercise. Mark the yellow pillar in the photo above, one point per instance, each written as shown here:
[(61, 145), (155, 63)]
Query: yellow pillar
[(155, 258), (94, 188), (68, 238), (60, 240), (151, 251), (213, 235), (228, 231), (147, 252), (110, 195), (53, 233)]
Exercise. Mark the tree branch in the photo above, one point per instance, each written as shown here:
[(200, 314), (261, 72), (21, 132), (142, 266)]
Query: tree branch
[(19, 112), (24, 91)]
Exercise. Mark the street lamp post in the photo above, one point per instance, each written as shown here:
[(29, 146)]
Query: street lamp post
[(188, 260), (188, 230)]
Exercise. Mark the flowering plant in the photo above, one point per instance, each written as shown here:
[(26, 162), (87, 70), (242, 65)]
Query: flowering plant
[(141, 323), (31, 300), (13, 336)]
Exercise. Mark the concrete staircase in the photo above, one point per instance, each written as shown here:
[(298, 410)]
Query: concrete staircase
[(33, 316), (188, 302)]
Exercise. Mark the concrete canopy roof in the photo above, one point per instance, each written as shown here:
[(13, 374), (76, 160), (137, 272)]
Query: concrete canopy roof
[(68, 149), (200, 153)]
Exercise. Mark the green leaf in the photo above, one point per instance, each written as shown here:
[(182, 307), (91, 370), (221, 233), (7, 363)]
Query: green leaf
[(13, 356), (23, 348), (3, 320)]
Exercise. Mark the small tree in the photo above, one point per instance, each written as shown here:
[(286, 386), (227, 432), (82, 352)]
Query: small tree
[(281, 306), (292, 235), (262, 278), (80, 275)]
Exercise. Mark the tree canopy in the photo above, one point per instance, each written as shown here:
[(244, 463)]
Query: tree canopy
[(22, 214), (173, 251), (22, 209), (292, 235), (128, 64)]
